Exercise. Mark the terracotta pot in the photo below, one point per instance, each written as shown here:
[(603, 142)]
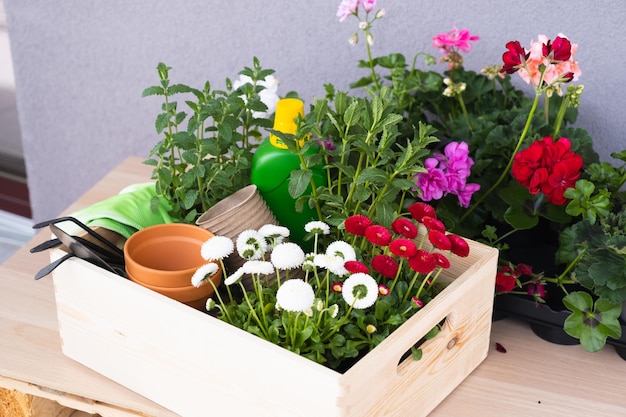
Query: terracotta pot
[(164, 257), (195, 297)]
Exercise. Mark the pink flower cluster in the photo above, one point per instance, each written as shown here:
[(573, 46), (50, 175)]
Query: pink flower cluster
[(551, 59), (447, 174), (454, 40), (351, 7), (555, 66)]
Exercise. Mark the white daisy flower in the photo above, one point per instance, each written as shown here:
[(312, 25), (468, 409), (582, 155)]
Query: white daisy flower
[(218, 247), (250, 238), (235, 277), (250, 252), (360, 290), (317, 227), (309, 262), (257, 268), (332, 263), (342, 249), (287, 255), (274, 234), (295, 295), (203, 273)]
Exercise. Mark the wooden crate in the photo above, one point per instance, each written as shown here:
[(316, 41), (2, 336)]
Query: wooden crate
[(196, 365)]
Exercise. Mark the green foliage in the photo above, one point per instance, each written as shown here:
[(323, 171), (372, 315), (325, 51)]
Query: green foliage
[(592, 322), (205, 151)]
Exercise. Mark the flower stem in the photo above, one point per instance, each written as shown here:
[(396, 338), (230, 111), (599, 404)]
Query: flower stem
[(509, 164)]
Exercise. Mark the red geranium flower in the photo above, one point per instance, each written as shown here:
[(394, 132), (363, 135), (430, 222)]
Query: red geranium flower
[(419, 210), (378, 235), (404, 248), (505, 280), (423, 262), (357, 224), (355, 266), (439, 240), (548, 166), (523, 269), (459, 245), (385, 265), (513, 58), (432, 223), (404, 227), (561, 49)]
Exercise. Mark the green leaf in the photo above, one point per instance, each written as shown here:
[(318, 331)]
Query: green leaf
[(299, 180), (155, 90), (372, 175), (591, 323)]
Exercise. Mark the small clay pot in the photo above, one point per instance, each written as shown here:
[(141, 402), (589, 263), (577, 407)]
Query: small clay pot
[(164, 257)]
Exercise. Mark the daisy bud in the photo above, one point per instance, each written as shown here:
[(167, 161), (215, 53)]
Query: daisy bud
[(370, 328), (333, 311), (210, 304), (418, 303)]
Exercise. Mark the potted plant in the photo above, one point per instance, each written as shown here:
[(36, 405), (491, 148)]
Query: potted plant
[(540, 193), (204, 155)]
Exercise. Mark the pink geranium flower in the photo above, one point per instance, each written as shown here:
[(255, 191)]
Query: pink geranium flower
[(552, 59), (454, 39), (347, 8)]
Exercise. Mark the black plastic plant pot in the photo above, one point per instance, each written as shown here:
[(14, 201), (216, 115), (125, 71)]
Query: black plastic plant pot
[(546, 322)]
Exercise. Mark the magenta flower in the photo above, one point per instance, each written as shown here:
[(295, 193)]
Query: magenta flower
[(347, 8), (433, 182), (448, 175), (454, 39)]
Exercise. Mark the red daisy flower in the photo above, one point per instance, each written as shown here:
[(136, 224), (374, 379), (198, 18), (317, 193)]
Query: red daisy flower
[(459, 245), (383, 290), (439, 240), (357, 224), (378, 235), (355, 266), (442, 260), (419, 210), (385, 265), (423, 262), (432, 223), (336, 287), (404, 248), (404, 227)]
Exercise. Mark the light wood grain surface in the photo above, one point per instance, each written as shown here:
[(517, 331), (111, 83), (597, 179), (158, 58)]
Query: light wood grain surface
[(533, 378)]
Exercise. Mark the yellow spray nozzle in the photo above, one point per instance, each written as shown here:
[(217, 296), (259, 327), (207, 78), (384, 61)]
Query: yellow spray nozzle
[(287, 110)]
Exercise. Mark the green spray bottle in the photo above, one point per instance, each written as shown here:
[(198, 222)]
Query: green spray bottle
[(272, 164)]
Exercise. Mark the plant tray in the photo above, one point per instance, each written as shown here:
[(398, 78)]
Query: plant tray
[(195, 365), (546, 322)]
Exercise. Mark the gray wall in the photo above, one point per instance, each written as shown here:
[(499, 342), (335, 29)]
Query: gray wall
[(80, 65)]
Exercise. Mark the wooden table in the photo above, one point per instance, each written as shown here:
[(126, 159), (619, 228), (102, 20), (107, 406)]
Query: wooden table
[(533, 378)]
